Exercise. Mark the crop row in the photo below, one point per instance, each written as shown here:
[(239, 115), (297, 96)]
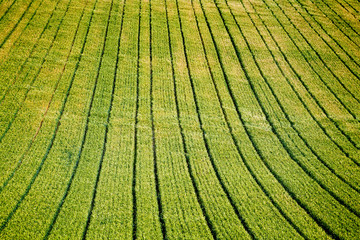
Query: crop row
[(179, 119)]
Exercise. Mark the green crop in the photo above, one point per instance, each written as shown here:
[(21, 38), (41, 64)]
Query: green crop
[(179, 119)]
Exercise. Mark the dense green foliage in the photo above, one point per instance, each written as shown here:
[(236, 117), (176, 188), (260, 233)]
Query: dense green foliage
[(179, 119)]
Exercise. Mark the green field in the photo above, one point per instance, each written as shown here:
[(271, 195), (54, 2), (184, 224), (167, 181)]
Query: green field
[(179, 119)]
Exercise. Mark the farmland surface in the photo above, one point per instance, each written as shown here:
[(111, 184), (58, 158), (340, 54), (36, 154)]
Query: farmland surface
[(179, 119)]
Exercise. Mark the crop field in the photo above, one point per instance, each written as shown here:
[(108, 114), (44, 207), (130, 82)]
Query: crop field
[(179, 119)]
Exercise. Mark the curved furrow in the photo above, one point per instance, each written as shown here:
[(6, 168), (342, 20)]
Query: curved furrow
[(324, 64), (178, 199), (184, 143), (5, 52), (222, 180), (345, 32), (133, 184), (175, 193), (157, 119), (199, 122), (114, 182), (35, 77), (17, 75), (38, 129), (17, 23), (354, 144), (88, 221), (342, 5), (23, 196), (153, 135), (315, 216), (323, 129), (327, 168), (353, 61), (256, 148), (250, 172), (19, 162), (322, 60), (285, 113), (293, 70), (235, 141), (211, 157), (275, 129), (69, 184), (355, 74), (299, 78)]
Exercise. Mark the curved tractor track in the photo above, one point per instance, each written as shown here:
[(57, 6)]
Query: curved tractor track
[(179, 119)]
